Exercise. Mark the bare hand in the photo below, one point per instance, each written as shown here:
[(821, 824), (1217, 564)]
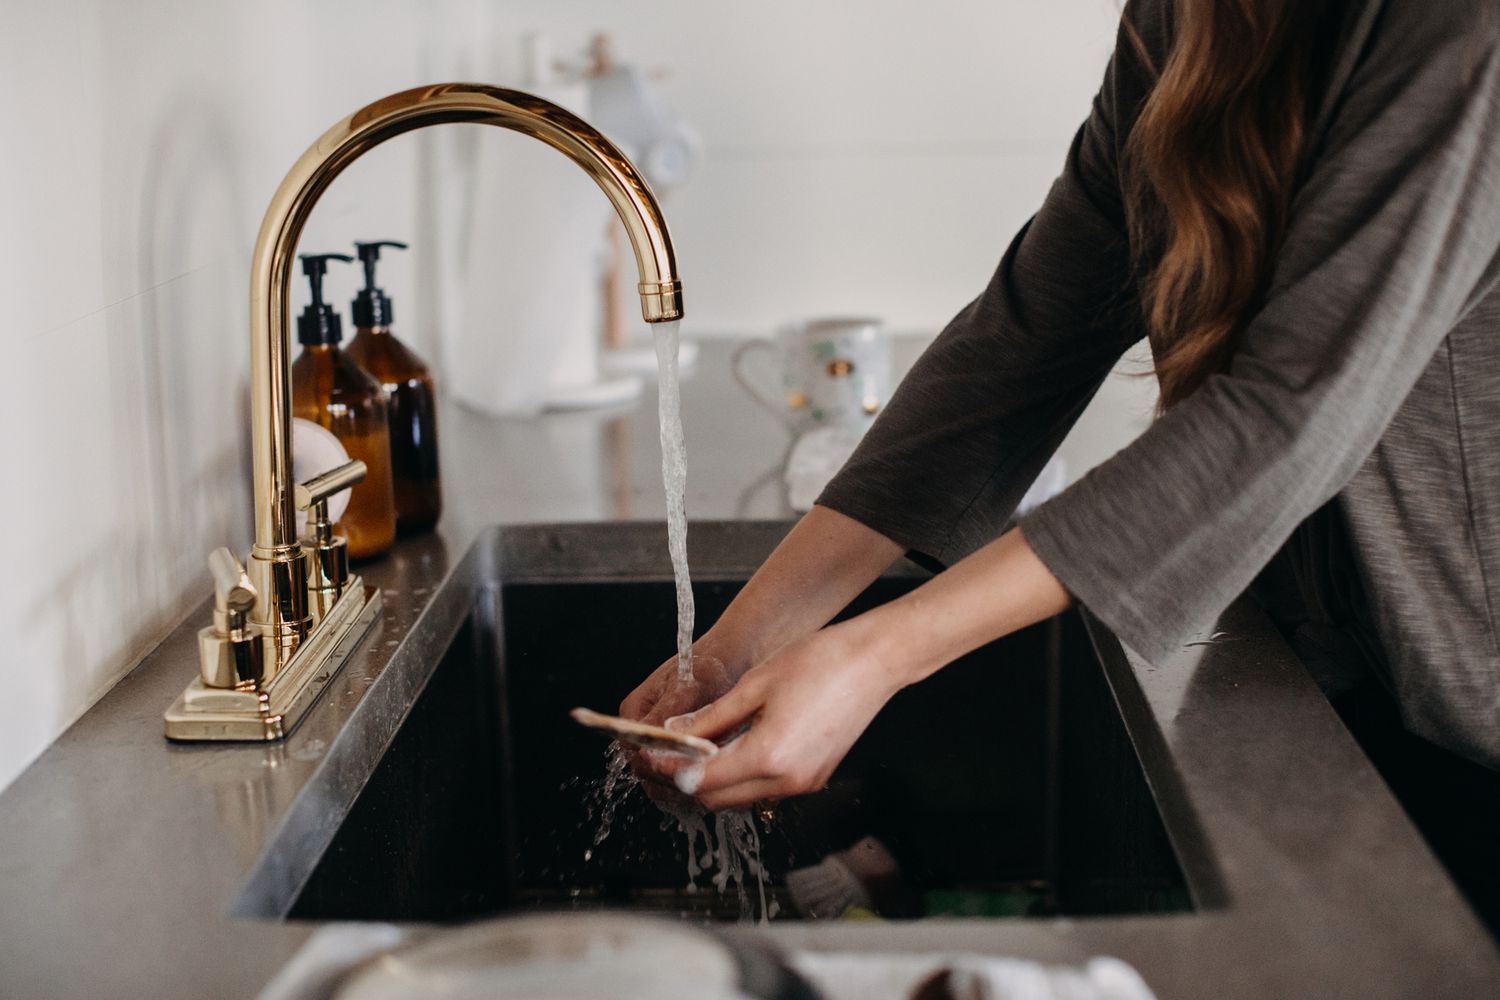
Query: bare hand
[(664, 695), (806, 705)]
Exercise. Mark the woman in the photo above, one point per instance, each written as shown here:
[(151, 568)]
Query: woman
[(1298, 203)]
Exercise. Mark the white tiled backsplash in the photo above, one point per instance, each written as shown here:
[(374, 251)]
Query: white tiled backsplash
[(869, 155)]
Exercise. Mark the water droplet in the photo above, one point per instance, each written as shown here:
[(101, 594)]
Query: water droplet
[(311, 750)]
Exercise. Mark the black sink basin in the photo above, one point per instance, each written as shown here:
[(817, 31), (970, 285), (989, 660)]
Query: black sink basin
[(1006, 785)]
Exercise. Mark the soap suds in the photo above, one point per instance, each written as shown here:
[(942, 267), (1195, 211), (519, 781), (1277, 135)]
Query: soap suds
[(689, 778)]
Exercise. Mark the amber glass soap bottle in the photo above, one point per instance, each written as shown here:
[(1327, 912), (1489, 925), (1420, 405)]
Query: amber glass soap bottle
[(329, 388), (409, 395)]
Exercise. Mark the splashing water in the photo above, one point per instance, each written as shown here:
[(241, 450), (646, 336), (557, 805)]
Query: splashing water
[(617, 778), (722, 847), (674, 480), (729, 852)]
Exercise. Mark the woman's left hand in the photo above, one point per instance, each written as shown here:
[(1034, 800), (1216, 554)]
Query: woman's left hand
[(806, 705)]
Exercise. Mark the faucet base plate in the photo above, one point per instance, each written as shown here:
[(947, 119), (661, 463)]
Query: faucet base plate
[(202, 713)]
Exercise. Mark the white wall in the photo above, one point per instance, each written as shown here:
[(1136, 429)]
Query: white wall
[(865, 155)]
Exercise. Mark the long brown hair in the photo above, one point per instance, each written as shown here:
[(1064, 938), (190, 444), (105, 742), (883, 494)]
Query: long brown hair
[(1210, 169)]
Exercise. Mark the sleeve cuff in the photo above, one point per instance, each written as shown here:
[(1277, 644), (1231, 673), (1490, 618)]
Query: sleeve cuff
[(1065, 547), (911, 533)]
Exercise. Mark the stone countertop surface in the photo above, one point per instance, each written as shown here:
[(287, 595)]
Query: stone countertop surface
[(131, 867)]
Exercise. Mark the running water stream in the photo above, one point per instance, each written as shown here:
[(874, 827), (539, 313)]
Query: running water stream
[(730, 843), (674, 480)]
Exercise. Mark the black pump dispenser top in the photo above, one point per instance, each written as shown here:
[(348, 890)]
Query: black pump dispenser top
[(319, 323), (372, 307)]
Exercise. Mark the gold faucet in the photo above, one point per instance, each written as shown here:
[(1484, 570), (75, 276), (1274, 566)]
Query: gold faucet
[(263, 663)]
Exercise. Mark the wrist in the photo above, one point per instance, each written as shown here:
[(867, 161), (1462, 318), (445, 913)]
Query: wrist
[(878, 640), (725, 646)]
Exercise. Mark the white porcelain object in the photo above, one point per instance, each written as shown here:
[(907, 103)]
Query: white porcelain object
[(559, 956), (315, 449), (816, 457), (832, 371)]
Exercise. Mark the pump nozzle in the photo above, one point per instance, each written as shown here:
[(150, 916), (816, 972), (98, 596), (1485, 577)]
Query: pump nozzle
[(372, 307), (319, 324)]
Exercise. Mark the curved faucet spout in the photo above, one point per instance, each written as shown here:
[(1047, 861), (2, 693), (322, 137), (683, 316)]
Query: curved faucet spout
[(282, 611)]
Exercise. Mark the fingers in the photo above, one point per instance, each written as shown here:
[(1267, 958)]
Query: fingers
[(756, 766), (666, 763), (663, 791), (657, 764), (760, 764), (742, 795), (638, 703), (722, 717), (735, 764)]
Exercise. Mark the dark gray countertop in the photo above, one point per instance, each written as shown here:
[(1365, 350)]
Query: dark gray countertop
[(131, 867)]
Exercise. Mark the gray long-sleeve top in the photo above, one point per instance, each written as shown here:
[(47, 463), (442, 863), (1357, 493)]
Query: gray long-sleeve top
[(1368, 380)]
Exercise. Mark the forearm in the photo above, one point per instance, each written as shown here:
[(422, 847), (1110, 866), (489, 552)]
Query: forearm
[(823, 563), (999, 589), (809, 702)]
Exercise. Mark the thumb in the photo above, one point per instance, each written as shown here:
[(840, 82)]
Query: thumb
[(724, 716)]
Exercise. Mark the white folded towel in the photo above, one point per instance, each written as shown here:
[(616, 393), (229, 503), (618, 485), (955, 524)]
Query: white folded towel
[(872, 976)]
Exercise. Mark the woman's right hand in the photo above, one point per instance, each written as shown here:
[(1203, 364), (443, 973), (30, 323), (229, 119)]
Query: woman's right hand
[(664, 693)]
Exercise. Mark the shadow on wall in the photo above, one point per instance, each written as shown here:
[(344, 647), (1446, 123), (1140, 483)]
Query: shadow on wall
[(194, 348), (177, 468)]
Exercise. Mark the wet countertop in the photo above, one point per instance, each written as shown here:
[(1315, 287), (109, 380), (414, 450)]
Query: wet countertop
[(130, 867)]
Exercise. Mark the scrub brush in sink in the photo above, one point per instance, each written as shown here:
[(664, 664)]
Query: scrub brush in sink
[(644, 735)]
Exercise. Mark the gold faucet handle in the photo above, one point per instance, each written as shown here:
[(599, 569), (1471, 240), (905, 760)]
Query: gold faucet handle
[(234, 594), (328, 569), (325, 484), (229, 652)]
